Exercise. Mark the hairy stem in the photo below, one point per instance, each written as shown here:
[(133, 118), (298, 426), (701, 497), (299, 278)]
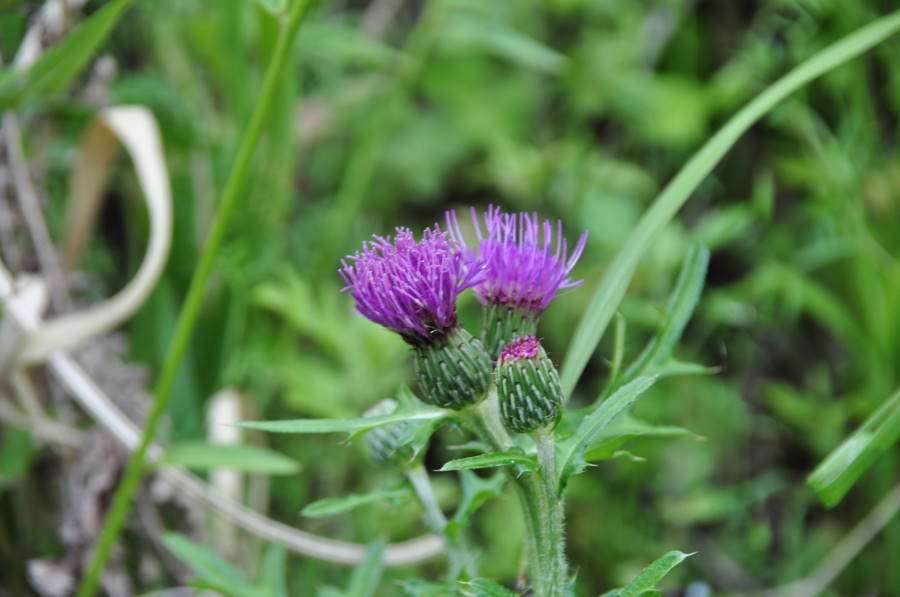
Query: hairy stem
[(543, 513), (458, 553), (234, 187), (552, 555)]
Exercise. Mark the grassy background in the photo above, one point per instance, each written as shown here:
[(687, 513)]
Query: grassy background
[(581, 110)]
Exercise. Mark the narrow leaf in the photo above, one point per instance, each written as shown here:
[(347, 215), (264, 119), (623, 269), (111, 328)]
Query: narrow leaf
[(612, 288), (490, 460), (249, 459), (350, 426), (367, 575), (678, 312), (333, 506), (597, 420), (207, 565), (483, 587), (53, 71), (651, 575), (834, 477)]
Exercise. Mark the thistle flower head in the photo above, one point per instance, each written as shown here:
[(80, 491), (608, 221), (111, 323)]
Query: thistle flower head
[(527, 260), (411, 286)]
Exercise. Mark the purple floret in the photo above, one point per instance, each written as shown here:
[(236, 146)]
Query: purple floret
[(526, 266), (411, 286), (526, 347)]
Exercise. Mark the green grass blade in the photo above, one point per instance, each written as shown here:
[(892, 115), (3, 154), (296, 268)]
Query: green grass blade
[(609, 293), (834, 477), (59, 65)]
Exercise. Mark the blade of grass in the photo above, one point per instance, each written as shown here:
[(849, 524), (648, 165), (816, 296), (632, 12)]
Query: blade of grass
[(53, 71), (612, 288), (121, 504)]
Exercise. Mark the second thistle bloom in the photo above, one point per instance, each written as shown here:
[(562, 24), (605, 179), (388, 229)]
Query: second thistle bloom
[(527, 262), (411, 287)]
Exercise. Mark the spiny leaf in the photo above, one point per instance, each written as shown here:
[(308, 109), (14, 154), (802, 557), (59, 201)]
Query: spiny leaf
[(492, 459), (651, 575), (572, 449)]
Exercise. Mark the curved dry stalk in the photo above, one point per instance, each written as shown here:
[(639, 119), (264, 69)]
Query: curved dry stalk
[(136, 129)]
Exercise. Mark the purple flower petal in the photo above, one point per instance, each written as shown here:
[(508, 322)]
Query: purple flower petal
[(410, 286), (526, 264)]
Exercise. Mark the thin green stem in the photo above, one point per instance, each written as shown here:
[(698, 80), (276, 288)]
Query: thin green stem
[(434, 517), (234, 187), (459, 556)]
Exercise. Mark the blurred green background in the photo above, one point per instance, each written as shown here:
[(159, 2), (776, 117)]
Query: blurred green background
[(396, 110)]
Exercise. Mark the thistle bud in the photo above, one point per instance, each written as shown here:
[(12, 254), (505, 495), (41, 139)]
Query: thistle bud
[(453, 369), (527, 386), (384, 442)]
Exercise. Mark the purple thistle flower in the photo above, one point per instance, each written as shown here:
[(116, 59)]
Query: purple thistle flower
[(411, 286), (525, 265)]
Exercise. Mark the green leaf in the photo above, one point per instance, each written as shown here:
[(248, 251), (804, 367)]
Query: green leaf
[(483, 587), (53, 71), (273, 7), (834, 477), (673, 368), (249, 459), (599, 417), (493, 459), (475, 492), (211, 569), (273, 576), (647, 580), (350, 426), (612, 288), (424, 588), (678, 312), (333, 506), (367, 575), (627, 428)]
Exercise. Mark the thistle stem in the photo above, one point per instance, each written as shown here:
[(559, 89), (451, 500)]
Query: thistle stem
[(552, 554), (543, 511), (458, 553)]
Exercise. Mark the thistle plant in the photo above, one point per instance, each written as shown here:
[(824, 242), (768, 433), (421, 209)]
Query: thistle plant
[(504, 389)]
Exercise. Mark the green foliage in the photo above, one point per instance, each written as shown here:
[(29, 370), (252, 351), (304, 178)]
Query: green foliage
[(333, 506), (492, 459), (249, 459), (53, 71), (834, 477), (646, 581)]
